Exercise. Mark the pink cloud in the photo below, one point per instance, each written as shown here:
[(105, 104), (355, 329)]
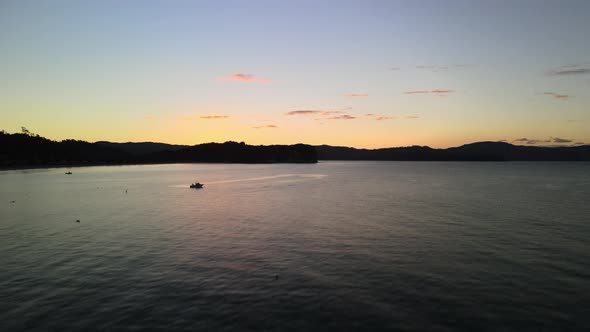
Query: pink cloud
[(214, 117), (412, 117), (416, 92), (441, 91), (356, 95), (245, 78)]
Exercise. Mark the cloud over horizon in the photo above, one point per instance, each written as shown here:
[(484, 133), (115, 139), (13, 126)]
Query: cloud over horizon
[(557, 95), (342, 117), (435, 91), (214, 117), (356, 95), (378, 117), (569, 70), (266, 126), (534, 141), (205, 117), (304, 112), (316, 112), (245, 78)]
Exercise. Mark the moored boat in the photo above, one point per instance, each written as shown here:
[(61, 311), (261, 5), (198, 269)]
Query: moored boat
[(196, 185)]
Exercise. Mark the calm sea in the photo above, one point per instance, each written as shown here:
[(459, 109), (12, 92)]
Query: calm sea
[(340, 246)]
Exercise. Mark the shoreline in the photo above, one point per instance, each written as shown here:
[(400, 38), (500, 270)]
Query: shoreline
[(30, 167), (33, 167)]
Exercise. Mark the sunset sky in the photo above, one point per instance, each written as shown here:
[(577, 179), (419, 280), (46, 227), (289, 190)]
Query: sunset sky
[(355, 73)]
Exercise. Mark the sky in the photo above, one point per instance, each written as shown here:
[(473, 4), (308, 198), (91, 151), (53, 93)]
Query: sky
[(365, 74)]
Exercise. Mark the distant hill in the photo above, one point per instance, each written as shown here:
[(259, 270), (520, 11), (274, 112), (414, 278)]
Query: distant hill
[(28, 150), (233, 152), (480, 151), (142, 147)]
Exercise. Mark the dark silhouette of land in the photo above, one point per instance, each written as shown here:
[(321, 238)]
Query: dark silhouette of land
[(480, 151), (27, 150)]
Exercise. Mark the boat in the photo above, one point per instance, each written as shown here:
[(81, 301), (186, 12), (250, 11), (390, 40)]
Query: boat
[(68, 173), (196, 185)]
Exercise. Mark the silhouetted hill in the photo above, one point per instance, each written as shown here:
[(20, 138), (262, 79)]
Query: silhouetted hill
[(27, 150), (34, 150), (481, 151), (140, 148), (233, 152)]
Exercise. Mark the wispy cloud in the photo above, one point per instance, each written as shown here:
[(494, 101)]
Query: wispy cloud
[(435, 91), (304, 112), (206, 117), (332, 112), (314, 112), (434, 68), (412, 117), (535, 141), (530, 141), (378, 117), (569, 70), (341, 117), (267, 126), (150, 118), (557, 95), (356, 95), (245, 78), (214, 117)]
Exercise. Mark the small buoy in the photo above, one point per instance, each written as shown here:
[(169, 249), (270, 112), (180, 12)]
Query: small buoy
[(276, 277), (77, 220), (125, 190), (12, 201)]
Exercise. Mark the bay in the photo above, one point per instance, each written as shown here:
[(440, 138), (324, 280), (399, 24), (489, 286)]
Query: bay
[(408, 246)]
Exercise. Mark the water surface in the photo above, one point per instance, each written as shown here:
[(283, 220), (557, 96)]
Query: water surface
[(331, 246)]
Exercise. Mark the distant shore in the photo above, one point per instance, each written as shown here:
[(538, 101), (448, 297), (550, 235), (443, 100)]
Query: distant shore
[(93, 164)]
